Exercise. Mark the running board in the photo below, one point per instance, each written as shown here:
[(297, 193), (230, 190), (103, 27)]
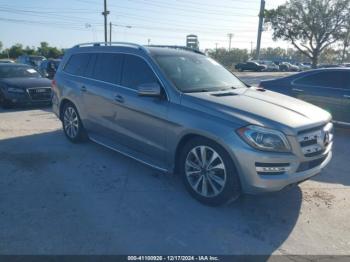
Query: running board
[(129, 155)]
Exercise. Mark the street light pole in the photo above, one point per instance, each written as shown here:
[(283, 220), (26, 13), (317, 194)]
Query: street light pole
[(110, 32), (260, 28), (230, 35), (105, 13)]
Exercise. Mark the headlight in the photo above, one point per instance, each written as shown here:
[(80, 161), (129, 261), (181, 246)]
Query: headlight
[(264, 138), (15, 90)]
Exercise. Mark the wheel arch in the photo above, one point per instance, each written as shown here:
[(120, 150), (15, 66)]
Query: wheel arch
[(189, 136)]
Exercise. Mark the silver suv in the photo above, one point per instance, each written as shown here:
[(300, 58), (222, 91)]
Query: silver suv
[(180, 111)]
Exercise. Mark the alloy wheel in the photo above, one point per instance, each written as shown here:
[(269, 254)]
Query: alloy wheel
[(71, 122), (205, 171)]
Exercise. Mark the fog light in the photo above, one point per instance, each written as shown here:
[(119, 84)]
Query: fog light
[(272, 168)]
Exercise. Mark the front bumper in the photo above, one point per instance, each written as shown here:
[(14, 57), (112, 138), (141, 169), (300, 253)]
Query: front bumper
[(286, 168), (26, 99)]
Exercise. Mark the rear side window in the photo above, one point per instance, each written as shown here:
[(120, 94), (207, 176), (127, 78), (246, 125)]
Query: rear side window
[(136, 72), (107, 67), (77, 64), (335, 79)]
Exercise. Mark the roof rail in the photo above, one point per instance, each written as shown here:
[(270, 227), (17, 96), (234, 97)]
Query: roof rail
[(178, 47), (110, 44)]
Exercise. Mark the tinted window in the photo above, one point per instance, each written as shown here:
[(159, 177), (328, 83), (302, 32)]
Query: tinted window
[(77, 64), (335, 79), (136, 71), (107, 68)]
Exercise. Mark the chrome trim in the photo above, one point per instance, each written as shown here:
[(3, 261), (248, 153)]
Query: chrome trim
[(318, 136), (279, 169), (341, 123), (44, 87), (104, 44), (128, 155)]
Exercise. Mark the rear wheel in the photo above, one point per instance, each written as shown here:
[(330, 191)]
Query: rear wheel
[(209, 173), (72, 125)]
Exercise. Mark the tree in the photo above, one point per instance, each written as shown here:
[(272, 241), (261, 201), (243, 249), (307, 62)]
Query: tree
[(345, 41), (229, 58), (16, 50), (1, 45), (310, 25)]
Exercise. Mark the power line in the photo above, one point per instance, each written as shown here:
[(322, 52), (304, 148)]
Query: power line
[(174, 8)]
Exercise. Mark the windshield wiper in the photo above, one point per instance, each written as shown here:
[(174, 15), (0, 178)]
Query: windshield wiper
[(198, 90)]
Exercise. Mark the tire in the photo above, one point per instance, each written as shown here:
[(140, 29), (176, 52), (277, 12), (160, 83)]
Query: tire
[(72, 126), (214, 183), (3, 102)]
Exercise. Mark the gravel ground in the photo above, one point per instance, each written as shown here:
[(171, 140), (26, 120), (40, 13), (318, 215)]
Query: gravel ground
[(61, 198)]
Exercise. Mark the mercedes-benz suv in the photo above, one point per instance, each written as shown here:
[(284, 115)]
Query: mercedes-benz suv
[(181, 112)]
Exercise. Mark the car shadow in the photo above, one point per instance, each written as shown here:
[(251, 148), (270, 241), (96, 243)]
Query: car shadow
[(337, 172), (46, 108), (63, 198)]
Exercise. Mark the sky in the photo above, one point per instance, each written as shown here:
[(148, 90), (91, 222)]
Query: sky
[(64, 23)]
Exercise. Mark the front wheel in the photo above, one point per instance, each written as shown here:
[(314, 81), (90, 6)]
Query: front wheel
[(72, 125), (3, 102), (209, 173)]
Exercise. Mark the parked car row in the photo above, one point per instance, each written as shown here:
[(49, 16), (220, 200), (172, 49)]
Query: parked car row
[(46, 67), (269, 66)]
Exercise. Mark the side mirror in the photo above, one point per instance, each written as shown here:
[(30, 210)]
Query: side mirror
[(149, 89)]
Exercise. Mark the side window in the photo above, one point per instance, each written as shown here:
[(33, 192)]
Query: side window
[(107, 67), (335, 79), (136, 71), (77, 64)]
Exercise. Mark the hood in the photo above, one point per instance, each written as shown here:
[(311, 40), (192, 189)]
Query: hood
[(263, 108), (26, 82)]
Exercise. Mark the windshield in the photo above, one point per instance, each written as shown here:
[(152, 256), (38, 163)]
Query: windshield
[(17, 71), (197, 73)]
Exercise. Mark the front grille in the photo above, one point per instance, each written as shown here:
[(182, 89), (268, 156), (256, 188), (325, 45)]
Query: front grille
[(314, 142), (311, 164), (40, 93)]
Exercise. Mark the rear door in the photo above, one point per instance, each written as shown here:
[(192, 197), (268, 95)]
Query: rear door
[(325, 89), (103, 72)]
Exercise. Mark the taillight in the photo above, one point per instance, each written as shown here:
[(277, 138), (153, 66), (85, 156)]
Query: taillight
[(53, 85)]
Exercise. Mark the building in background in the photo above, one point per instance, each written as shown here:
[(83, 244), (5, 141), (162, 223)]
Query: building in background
[(192, 41)]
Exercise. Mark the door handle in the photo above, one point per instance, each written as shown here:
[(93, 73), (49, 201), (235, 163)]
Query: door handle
[(347, 96), (119, 98), (298, 90), (83, 89)]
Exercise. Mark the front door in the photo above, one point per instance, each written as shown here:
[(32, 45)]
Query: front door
[(324, 89)]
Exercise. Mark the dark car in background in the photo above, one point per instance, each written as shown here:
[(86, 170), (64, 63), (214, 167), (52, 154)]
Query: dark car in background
[(48, 68), (326, 88), (6, 61), (250, 66), (23, 85), (288, 67), (32, 60)]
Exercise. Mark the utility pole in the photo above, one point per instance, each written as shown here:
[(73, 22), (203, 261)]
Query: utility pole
[(251, 48), (260, 28), (230, 35), (110, 33), (105, 13)]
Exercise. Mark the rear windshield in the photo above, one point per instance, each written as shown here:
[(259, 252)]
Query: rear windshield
[(17, 71)]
